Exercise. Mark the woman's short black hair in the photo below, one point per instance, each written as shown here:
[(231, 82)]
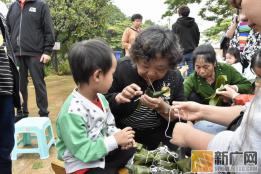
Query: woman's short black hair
[(256, 60), (136, 16), (205, 51), (87, 56), (156, 42), (234, 52), (184, 11)]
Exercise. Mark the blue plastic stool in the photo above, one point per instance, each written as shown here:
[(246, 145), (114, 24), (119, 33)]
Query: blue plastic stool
[(37, 126)]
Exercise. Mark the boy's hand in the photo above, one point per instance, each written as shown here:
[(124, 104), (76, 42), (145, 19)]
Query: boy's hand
[(125, 136), (128, 93), (128, 146)]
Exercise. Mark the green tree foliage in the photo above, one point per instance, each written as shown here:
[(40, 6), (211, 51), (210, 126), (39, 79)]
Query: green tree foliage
[(148, 23), (75, 21), (116, 25), (78, 20), (6, 1), (217, 11)]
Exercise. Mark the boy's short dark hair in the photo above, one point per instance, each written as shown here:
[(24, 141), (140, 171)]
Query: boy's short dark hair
[(136, 16), (184, 11), (87, 56), (156, 41)]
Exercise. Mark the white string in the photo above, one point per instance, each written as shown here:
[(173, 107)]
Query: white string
[(166, 135), (151, 84), (147, 156), (154, 168), (137, 99)]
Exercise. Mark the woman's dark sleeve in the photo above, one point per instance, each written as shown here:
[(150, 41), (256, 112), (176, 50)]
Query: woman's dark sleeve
[(177, 87), (113, 91)]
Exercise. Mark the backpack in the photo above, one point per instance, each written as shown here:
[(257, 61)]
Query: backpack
[(236, 122), (245, 62)]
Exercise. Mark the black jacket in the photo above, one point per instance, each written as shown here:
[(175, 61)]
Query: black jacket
[(31, 28), (126, 74), (13, 66), (187, 31)]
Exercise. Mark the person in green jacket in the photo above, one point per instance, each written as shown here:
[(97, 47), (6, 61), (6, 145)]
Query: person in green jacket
[(210, 75)]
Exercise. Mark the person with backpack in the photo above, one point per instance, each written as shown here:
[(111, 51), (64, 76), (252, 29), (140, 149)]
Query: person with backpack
[(130, 33)]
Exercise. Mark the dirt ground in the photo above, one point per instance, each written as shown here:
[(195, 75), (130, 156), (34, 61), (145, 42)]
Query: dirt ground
[(58, 88)]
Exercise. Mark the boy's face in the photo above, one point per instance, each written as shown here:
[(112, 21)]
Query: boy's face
[(152, 70), (107, 79)]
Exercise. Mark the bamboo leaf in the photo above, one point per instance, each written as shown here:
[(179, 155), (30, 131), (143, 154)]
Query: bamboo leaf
[(220, 82)]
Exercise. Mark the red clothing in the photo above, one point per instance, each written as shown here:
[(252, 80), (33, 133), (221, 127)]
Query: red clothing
[(242, 99), (98, 103), (82, 171)]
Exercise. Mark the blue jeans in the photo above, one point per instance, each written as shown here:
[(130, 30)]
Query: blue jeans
[(209, 127), (6, 133), (187, 58)]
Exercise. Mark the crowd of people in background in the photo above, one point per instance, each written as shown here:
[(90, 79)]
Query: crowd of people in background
[(146, 97), (246, 40)]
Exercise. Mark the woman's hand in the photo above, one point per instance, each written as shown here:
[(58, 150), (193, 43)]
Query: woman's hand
[(128, 93), (150, 102), (229, 92), (190, 111), (184, 135), (178, 134)]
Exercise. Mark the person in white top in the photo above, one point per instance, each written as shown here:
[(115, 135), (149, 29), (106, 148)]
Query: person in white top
[(3, 9), (233, 58)]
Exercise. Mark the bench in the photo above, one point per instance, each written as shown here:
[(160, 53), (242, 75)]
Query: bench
[(58, 168)]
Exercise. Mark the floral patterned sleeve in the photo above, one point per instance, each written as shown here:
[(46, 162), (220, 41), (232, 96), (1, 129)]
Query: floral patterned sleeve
[(234, 41), (253, 44)]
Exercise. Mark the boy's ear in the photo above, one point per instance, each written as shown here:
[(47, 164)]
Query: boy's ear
[(96, 75)]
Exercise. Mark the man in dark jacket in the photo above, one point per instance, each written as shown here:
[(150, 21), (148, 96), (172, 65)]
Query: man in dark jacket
[(188, 33), (9, 98), (32, 36)]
